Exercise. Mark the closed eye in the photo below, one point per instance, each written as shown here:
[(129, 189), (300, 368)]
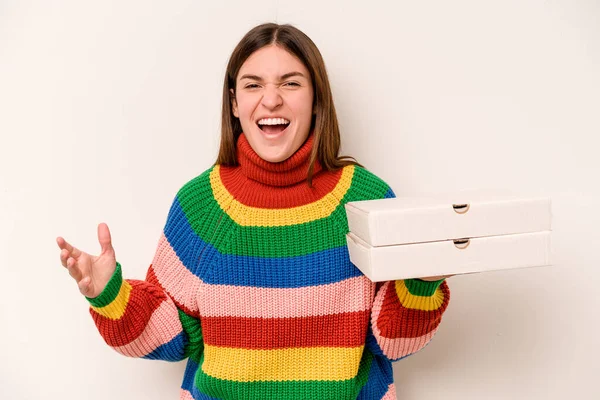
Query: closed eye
[(292, 84)]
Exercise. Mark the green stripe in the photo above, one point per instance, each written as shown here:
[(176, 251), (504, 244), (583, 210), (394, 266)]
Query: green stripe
[(111, 290), (194, 195), (417, 287), (192, 328), (285, 390), (281, 241)]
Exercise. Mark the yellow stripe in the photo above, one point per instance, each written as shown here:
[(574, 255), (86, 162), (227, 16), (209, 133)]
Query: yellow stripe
[(423, 303), (253, 216), (304, 364), (116, 308)]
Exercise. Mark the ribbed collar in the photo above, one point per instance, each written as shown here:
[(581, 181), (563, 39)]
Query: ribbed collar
[(284, 173)]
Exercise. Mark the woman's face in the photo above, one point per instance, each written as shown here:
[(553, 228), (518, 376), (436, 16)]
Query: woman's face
[(274, 102)]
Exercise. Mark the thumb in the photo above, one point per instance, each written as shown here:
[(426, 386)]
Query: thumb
[(104, 238)]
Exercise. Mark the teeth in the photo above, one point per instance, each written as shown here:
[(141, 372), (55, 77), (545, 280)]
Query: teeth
[(273, 121)]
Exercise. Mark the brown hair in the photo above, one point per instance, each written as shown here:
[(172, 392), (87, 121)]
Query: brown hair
[(326, 142)]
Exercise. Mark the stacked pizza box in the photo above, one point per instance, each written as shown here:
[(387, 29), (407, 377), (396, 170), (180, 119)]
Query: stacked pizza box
[(450, 233)]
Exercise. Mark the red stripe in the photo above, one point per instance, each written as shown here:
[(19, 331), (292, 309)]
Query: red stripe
[(255, 194), (396, 321), (338, 330), (151, 278), (143, 300)]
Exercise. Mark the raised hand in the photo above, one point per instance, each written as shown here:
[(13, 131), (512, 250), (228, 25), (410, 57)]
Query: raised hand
[(91, 273)]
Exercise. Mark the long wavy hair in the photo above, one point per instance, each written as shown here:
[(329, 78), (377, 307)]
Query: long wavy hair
[(326, 145)]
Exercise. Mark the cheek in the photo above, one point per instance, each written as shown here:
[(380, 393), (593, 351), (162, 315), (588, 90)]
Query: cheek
[(303, 105), (246, 106)]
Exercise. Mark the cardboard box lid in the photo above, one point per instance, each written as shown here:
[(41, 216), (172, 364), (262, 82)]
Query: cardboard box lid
[(446, 216)]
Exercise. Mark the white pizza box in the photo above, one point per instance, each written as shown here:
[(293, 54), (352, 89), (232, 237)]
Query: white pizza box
[(452, 233), (429, 218), (449, 257)]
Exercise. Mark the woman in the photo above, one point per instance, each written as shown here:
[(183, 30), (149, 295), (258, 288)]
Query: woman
[(251, 280)]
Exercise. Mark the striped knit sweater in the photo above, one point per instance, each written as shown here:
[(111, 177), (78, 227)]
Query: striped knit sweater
[(252, 283)]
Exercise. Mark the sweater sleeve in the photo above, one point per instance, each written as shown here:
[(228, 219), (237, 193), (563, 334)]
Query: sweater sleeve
[(406, 313), (156, 318)]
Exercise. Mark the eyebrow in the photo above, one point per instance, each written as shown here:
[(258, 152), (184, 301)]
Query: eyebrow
[(283, 77)]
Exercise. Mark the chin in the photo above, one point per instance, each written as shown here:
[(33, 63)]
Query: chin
[(274, 153)]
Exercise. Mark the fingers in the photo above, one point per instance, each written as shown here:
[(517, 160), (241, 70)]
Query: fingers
[(64, 256), (435, 278), (63, 244), (104, 238), (69, 256), (73, 269), (65, 253)]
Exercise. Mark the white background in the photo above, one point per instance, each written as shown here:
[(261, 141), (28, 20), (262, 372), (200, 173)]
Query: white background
[(108, 107)]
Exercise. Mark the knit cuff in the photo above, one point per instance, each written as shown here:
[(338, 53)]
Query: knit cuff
[(418, 287), (111, 290)]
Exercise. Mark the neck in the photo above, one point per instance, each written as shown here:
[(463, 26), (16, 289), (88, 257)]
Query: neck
[(262, 184)]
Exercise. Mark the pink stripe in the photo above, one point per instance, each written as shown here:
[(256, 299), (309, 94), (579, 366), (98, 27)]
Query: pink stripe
[(158, 331), (185, 395), (396, 347), (354, 294), (179, 282), (391, 393), (349, 295)]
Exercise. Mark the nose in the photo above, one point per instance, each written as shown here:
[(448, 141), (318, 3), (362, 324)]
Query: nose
[(271, 98)]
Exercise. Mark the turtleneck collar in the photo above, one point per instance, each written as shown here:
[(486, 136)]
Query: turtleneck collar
[(284, 173)]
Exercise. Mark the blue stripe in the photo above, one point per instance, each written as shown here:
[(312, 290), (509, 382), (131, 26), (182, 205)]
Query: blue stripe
[(319, 268), (371, 343), (389, 194), (188, 376), (170, 351), (327, 266), (187, 244)]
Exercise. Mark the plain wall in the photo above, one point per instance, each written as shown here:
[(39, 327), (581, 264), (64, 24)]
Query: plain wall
[(108, 107)]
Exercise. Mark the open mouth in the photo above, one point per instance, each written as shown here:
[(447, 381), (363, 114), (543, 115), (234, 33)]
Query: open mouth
[(273, 126)]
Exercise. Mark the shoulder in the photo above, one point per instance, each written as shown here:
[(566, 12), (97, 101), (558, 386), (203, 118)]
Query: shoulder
[(197, 185), (368, 186), (194, 195)]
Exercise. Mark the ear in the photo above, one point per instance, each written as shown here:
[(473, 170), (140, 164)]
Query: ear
[(234, 107)]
